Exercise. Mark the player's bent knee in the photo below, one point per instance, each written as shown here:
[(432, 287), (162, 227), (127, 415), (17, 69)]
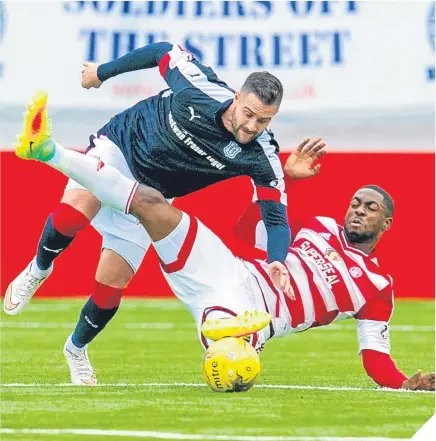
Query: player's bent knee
[(83, 201), (145, 200)]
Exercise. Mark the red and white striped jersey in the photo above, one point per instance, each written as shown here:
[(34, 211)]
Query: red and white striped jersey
[(331, 279)]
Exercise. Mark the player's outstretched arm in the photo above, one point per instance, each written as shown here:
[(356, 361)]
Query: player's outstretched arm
[(382, 370), (274, 216), (93, 75), (380, 367), (300, 163)]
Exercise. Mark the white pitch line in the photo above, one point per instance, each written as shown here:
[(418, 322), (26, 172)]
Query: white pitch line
[(186, 436), (172, 325), (258, 386), (394, 328), (53, 325), (65, 304)]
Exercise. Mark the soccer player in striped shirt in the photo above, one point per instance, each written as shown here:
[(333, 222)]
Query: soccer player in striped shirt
[(333, 270)]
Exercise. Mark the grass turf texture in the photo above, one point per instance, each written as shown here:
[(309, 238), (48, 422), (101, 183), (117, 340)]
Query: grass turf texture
[(155, 341)]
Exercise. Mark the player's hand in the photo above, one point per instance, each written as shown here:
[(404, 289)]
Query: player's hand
[(280, 277), (300, 164), (89, 76), (420, 381)]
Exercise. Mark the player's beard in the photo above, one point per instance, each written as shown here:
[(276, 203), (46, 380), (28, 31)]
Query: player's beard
[(355, 237), (236, 130)]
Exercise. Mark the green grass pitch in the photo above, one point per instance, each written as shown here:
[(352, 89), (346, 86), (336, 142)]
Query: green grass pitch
[(152, 347)]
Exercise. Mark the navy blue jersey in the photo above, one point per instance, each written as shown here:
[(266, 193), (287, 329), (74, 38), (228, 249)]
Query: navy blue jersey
[(176, 142)]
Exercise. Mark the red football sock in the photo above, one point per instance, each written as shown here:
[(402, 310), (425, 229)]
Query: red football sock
[(105, 296), (68, 221)]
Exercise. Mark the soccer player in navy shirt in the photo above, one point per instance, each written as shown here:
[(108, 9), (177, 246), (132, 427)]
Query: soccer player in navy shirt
[(194, 134)]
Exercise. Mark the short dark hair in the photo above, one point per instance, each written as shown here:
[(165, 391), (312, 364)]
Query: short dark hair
[(387, 199), (265, 86)]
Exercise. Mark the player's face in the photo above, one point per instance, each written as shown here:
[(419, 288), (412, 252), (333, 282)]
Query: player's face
[(366, 218), (250, 117)]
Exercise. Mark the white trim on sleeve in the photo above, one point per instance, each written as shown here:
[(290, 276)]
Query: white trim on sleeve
[(373, 334)]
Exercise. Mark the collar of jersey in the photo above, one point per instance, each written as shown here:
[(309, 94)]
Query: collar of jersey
[(219, 122)]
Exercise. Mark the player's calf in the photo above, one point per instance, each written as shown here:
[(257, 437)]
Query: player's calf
[(96, 313)]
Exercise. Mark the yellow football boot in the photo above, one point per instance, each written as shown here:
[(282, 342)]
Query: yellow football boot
[(238, 326), (35, 138)]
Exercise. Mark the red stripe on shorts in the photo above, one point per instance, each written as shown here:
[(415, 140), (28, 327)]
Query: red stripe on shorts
[(185, 250)]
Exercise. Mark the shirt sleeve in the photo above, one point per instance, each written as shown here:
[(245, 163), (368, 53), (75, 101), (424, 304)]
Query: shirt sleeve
[(143, 58), (373, 322), (277, 230), (267, 175), (373, 335), (251, 229), (181, 71), (382, 369)]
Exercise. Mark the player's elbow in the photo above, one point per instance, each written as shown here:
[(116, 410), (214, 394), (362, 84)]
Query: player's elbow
[(164, 46)]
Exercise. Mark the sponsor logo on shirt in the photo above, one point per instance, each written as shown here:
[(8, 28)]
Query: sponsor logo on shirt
[(326, 268), (184, 136), (331, 254)]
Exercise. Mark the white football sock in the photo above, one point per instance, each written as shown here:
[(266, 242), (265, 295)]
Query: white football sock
[(106, 182)]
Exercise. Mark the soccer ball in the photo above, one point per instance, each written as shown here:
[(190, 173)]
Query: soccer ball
[(231, 365)]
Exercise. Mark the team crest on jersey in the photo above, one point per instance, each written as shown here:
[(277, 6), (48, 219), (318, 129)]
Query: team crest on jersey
[(232, 149), (331, 254), (355, 272)]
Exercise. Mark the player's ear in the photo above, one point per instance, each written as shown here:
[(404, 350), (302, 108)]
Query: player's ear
[(237, 96), (387, 224)]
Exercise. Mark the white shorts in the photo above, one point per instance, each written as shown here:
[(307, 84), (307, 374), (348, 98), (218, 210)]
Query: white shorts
[(121, 232), (208, 277)]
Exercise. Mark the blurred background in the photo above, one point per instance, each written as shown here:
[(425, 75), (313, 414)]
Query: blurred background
[(359, 74)]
